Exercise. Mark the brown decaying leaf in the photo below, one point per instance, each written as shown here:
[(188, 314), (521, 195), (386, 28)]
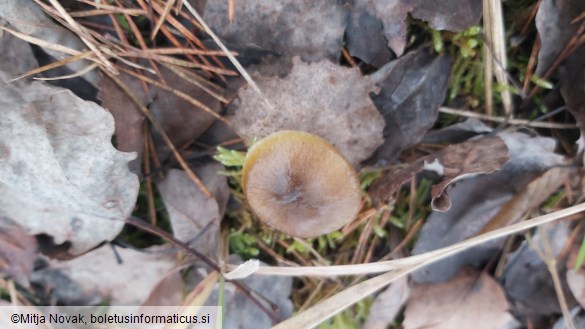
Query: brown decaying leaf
[(412, 89), (97, 276), (195, 219), (481, 155), (58, 148), (17, 251), (387, 305), (310, 29), (477, 200), (527, 280), (181, 121), (128, 120), (322, 98), (469, 300)]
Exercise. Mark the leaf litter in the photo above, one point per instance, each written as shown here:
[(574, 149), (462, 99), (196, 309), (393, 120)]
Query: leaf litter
[(482, 179)]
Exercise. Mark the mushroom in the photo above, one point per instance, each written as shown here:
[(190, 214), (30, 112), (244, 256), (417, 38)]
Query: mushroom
[(300, 184)]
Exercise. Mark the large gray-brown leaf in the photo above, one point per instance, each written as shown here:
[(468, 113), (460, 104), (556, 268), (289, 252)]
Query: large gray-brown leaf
[(195, 219), (97, 276), (322, 98), (17, 251), (310, 29), (476, 201), (469, 300), (59, 173), (412, 89)]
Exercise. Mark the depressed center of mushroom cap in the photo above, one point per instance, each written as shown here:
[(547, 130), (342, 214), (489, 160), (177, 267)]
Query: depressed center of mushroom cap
[(298, 183)]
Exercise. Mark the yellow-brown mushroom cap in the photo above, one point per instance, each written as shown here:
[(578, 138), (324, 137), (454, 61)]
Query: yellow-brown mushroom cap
[(300, 184)]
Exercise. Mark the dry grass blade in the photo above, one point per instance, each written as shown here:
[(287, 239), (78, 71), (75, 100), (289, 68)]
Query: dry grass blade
[(73, 75), (422, 259), (41, 43), (179, 94), (496, 62), (98, 12), (82, 34), (180, 62), (337, 303), (314, 315), (162, 18), (196, 80), (232, 59), (519, 122), (184, 51), (53, 65)]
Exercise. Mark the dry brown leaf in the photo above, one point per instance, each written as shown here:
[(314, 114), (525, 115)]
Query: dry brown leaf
[(483, 155), (57, 148), (182, 122), (128, 119), (469, 300), (458, 161), (195, 219), (322, 98), (310, 29), (476, 200), (97, 276), (17, 251), (387, 305)]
